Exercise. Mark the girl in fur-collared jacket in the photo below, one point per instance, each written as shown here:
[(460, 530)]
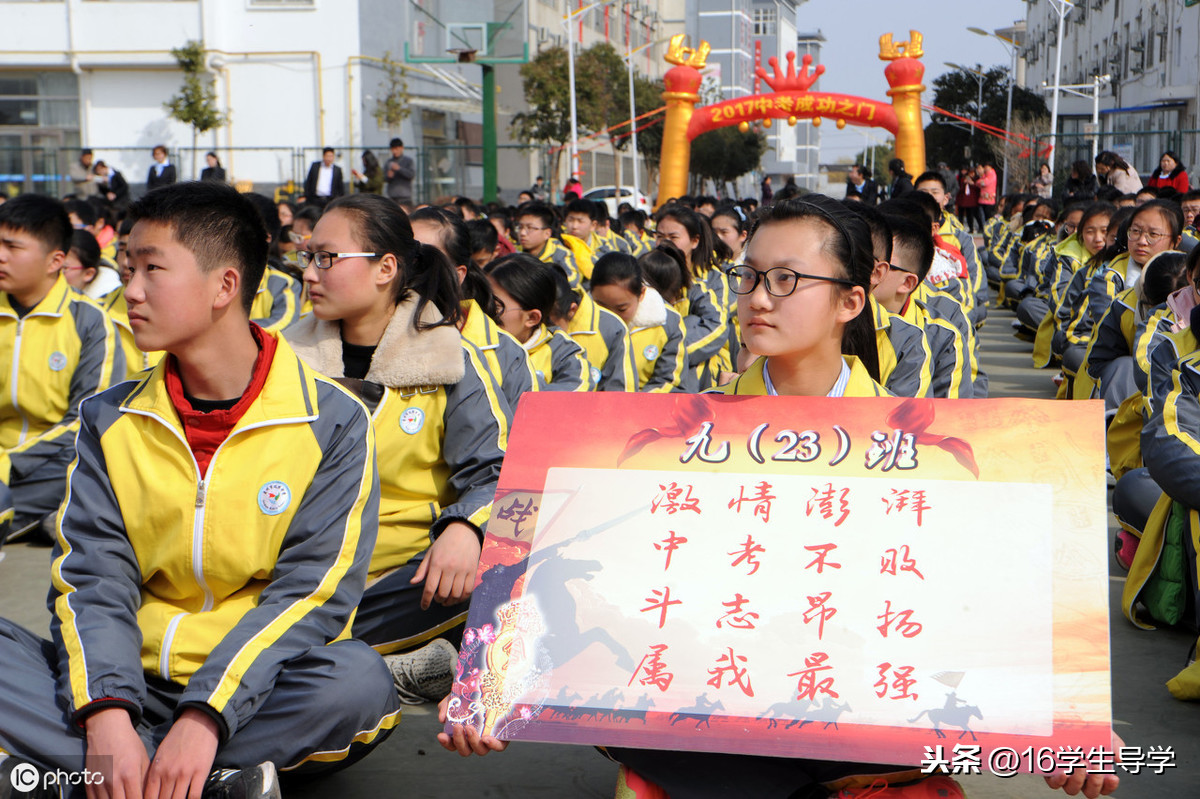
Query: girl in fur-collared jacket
[(383, 321), (655, 330)]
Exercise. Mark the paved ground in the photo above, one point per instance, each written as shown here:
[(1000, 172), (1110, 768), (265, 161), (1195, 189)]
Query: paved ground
[(411, 763)]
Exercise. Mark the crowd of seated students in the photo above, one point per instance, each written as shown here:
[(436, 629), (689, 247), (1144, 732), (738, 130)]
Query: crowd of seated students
[(408, 338)]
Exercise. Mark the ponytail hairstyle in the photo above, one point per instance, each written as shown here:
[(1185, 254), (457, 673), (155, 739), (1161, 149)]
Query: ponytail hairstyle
[(847, 240), (1163, 274), (528, 281), (703, 256), (382, 227), (618, 269), (455, 242), (664, 268)]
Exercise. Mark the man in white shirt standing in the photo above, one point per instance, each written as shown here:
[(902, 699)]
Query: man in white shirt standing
[(324, 181)]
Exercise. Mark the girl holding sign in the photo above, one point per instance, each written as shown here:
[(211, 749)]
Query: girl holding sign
[(801, 293)]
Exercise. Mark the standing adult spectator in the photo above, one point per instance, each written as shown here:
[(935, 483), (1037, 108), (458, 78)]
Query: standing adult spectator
[(1081, 185), (112, 185), (861, 186), (767, 192), (538, 190), (1043, 184), (162, 171), (324, 181), (985, 181), (399, 172), (370, 180), (83, 182), (214, 170), (967, 201), (1169, 173), (901, 180), (951, 181), (1115, 172), (573, 190)]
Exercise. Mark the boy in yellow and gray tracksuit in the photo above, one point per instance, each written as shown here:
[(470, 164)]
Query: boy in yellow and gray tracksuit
[(224, 591), (656, 338), (58, 352), (501, 354), (277, 303), (604, 339)]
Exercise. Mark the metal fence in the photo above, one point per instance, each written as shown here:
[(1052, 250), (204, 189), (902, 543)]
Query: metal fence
[(1140, 148), (442, 170)]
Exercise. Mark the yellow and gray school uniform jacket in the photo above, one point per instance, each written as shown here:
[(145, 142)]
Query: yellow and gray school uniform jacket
[(638, 245), (1102, 289), (952, 229), (1060, 276), (135, 360), (557, 253), (211, 581), (63, 351), (441, 428), (705, 329), (657, 341), (904, 357), (503, 356), (992, 230), (559, 364), (1115, 334), (951, 359), (752, 383), (942, 306), (277, 303), (605, 342), (605, 241)]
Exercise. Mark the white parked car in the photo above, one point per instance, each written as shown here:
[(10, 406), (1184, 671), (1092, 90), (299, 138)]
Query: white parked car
[(609, 195)]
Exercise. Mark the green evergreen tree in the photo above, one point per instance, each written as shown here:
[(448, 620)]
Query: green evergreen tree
[(196, 103)]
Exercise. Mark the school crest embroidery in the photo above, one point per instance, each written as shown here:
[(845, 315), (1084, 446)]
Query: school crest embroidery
[(274, 498), (651, 352), (58, 362), (412, 420)]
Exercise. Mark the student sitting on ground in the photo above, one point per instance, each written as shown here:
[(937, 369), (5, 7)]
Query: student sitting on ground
[(212, 548), (385, 309), (62, 349)]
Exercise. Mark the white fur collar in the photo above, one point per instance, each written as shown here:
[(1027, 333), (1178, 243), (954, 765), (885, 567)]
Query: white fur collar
[(405, 357), (651, 312)]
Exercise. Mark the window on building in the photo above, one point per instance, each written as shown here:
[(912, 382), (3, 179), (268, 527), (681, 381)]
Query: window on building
[(764, 21), (39, 99)]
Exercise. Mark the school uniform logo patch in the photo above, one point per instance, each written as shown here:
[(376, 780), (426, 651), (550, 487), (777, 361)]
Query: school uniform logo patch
[(651, 352), (595, 376), (412, 420), (58, 362), (274, 498)]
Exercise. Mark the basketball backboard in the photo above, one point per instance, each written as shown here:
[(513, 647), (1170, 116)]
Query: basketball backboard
[(487, 32)]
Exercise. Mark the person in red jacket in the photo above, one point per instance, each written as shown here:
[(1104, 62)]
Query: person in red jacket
[(1169, 173)]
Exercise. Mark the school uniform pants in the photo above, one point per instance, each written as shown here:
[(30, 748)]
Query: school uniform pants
[(1117, 382), (1031, 311), (1072, 358), (1134, 498), (700, 775), (35, 489), (390, 618), (329, 707)]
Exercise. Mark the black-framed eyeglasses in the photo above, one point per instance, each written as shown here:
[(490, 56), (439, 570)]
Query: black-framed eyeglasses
[(780, 281), (894, 268), (322, 259)]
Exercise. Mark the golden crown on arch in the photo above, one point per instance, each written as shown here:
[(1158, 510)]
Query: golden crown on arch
[(889, 51), (677, 54)]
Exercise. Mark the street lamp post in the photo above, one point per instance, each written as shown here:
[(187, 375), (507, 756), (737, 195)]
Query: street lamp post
[(1011, 46), (569, 21), (1062, 8), (980, 77)]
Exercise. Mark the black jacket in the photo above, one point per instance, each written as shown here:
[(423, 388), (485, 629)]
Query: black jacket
[(868, 192), (153, 180), (216, 173), (336, 189), (902, 185)]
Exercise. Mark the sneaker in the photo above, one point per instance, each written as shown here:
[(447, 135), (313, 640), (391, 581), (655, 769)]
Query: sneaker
[(1125, 547), (257, 782), (424, 675), (16, 774), (928, 788)]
